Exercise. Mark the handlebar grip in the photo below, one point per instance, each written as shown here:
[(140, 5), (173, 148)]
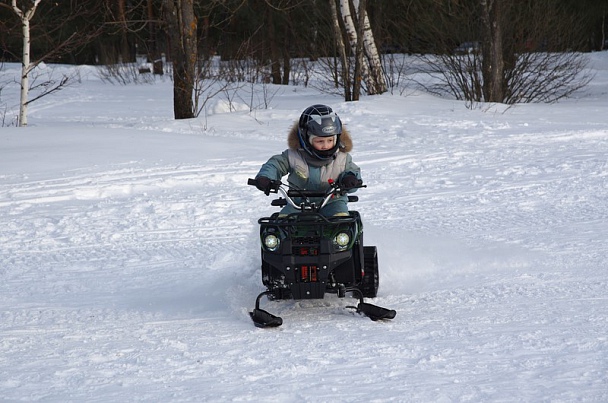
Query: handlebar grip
[(279, 202), (252, 182)]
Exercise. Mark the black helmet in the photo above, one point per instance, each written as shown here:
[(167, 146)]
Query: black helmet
[(319, 121)]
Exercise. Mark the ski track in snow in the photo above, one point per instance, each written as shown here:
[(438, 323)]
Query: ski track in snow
[(133, 280)]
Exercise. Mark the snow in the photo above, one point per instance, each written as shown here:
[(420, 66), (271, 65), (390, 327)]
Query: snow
[(129, 255)]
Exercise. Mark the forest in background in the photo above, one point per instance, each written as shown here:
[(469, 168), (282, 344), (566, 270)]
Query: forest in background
[(112, 31), (505, 51)]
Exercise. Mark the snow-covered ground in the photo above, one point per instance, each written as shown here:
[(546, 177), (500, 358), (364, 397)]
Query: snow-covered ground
[(129, 256)]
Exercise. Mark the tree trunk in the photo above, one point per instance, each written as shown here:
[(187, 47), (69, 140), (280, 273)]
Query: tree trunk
[(360, 60), (603, 41), (25, 72), (341, 51), (154, 55), (275, 59), (371, 51), (351, 33), (125, 52), (287, 38), (182, 25), (493, 65), (286, 68), (26, 67)]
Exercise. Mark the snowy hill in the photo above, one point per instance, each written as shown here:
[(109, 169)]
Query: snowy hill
[(129, 255)]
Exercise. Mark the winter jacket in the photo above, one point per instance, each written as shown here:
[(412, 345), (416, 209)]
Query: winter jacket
[(302, 174)]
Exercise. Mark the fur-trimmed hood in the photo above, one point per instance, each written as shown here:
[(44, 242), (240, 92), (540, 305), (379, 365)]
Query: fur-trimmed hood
[(294, 144)]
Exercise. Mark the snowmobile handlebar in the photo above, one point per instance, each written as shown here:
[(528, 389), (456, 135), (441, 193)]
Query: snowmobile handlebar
[(276, 186)]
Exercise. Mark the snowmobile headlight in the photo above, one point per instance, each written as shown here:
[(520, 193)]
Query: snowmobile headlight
[(342, 240), (271, 242)]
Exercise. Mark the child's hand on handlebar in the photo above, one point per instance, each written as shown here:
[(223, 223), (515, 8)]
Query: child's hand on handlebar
[(263, 183), (267, 185), (350, 181)]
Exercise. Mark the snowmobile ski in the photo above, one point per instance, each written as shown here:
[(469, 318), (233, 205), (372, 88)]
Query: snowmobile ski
[(375, 312), (263, 319)]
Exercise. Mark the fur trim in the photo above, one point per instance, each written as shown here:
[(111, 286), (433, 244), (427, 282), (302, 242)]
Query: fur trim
[(294, 143)]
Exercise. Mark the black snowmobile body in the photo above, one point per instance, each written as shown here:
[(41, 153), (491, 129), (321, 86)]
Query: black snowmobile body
[(306, 255)]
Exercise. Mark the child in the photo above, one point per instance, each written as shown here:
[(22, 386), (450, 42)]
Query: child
[(318, 151)]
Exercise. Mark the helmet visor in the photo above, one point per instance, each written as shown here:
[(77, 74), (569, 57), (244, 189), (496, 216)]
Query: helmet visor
[(325, 125)]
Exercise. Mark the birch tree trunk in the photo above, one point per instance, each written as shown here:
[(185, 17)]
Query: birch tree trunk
[(26, 67), (351, 33), (370, 49)]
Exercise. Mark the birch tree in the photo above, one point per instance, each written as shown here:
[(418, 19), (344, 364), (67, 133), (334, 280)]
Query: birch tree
[(351, 34), (368, 68), (56, 37), (370, 49), (25, 14)]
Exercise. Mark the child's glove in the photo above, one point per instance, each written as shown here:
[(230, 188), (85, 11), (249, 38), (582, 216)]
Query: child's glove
[(264, 184), (350, 181)]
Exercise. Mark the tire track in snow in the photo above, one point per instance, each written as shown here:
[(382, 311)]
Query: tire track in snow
[(516, 175), (129, 222), (100, 185)]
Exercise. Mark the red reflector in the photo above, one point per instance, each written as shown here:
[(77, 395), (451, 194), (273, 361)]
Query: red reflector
[(304, 272), (313, 273)]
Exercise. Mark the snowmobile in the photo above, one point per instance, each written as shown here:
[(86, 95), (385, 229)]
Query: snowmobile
[(305, 254)]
